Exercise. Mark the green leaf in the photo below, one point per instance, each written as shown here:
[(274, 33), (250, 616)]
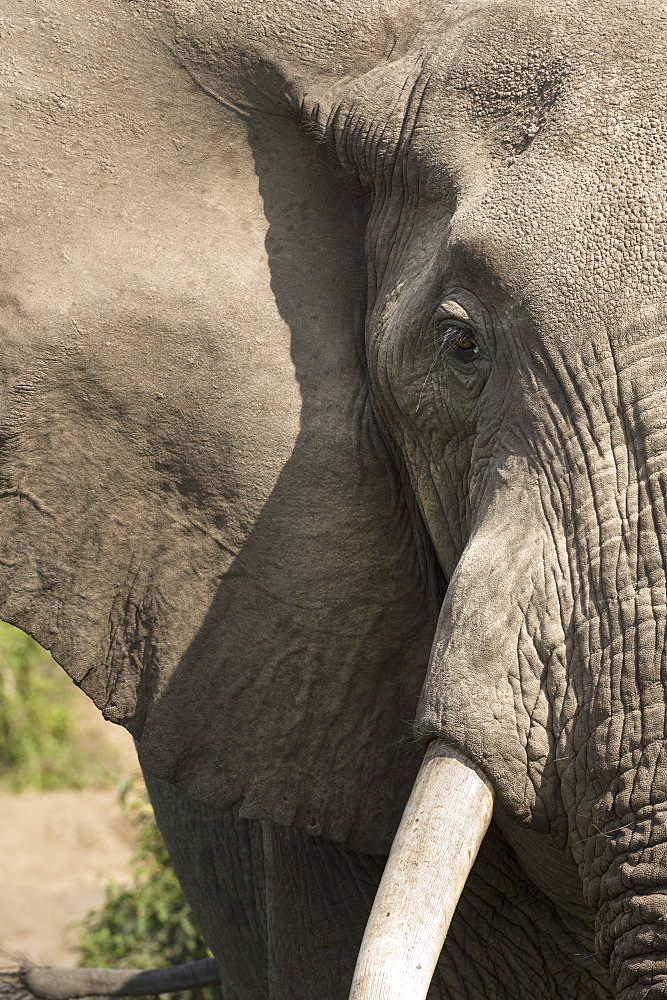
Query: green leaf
[(147, 923)]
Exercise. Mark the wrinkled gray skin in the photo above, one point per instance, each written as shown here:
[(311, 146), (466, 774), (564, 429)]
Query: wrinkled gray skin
[(240, 454)]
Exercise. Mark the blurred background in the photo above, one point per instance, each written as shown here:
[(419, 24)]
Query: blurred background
[(84, 876)]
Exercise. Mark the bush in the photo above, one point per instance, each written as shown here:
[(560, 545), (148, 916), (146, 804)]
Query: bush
[(43, 745), (147, 923), (40, 745)]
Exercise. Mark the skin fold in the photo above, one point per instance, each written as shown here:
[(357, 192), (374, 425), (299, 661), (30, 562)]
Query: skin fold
[(334, 374)]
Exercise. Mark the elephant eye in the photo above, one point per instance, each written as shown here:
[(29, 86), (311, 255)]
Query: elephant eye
[(457, 340)]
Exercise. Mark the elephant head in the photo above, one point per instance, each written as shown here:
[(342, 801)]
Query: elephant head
[(516, 348), (328, 312)]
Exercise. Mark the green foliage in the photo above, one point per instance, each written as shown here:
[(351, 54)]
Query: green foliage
[(43, 745), (39, 742), (147, 923)]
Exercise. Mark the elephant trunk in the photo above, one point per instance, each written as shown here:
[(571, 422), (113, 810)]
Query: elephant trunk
[(21, 980), (434, 849), (635, 927), (625, 878)]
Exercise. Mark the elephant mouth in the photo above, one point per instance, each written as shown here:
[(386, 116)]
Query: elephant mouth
[(436, 844)]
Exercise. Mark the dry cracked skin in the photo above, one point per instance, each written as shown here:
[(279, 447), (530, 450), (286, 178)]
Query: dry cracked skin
[(334, 372)]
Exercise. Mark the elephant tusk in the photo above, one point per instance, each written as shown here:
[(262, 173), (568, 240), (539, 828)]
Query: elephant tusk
[(436, 844)]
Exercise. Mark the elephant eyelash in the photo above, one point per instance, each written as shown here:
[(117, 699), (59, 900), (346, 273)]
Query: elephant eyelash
[(448, 334), (456, 339)]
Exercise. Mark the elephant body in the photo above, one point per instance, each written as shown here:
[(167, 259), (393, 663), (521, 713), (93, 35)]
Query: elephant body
[(334, 372), (256, 887)]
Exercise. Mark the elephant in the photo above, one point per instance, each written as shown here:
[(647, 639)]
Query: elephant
[(333, 466)]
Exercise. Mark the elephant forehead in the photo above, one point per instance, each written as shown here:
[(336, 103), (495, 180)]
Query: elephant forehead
[(553, 158), (504, 52), (500, 69), (577, 228), (507, 72)]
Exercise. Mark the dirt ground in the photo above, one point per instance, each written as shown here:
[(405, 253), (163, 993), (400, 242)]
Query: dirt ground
[(57, 852)]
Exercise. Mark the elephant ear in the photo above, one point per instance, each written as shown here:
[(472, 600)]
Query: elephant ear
[(198, 514)]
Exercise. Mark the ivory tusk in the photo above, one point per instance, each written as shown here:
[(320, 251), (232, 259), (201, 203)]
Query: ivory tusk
[(437, 841)]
